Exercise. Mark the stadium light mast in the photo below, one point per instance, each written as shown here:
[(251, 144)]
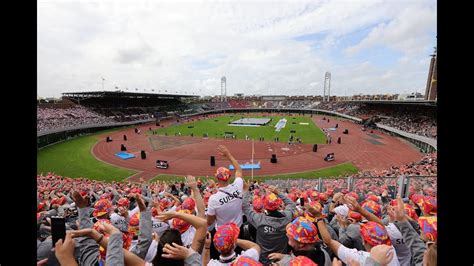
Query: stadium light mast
[(223, 89), (327, 86), (103, 79)]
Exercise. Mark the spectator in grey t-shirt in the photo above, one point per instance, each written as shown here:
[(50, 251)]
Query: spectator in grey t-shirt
[(271, 225)]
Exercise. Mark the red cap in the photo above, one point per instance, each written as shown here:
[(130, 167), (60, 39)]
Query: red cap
[(372, 197), (429, 227), (271, 202), (226, 237), (354, 195), (302, 230), (374, 234), (302, 261), (292, 197), (246, 261), (223, 174), (154, 211), (257, 203), (313, 194), (373, 207), (188, 204), (330, 192), (323, 197), (134, 223), (354, 215), (179, 224), (102, 207), (41, 206), (123, 202)]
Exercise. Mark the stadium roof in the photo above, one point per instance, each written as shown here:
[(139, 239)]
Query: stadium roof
[(122, 94)]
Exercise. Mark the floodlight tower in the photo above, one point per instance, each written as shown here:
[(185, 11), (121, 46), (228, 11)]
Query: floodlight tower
[(223, 89), (327, 86)]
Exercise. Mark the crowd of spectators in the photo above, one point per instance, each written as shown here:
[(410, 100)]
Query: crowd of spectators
[(412, 119), (53, 118), (219, 222)]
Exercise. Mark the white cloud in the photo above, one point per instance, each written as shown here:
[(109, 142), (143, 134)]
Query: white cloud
[(182, 46), (410, 32)]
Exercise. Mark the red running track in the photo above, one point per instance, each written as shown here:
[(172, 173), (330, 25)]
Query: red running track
[(193, 158)]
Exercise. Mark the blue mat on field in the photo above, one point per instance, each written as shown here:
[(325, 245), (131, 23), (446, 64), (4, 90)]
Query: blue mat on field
[(124, 155), (246, 166)]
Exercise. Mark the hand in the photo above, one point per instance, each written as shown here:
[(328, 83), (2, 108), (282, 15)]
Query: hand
[(246, 186), (140, 202), (65, 251), (123, 211), (391, 213), (222, 150), (165, 216), (399, 211), (191, 181), (109, 229), (352, 203), (81, 202), (207, 243), (336, 262), (338, 196), (176, 252), (275, 256), (211, 182), (353, 262), (274, 189)]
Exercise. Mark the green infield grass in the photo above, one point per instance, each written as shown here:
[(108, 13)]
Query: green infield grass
[(302, 126)]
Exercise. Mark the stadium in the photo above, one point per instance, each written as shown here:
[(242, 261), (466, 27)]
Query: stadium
[(137, 177)]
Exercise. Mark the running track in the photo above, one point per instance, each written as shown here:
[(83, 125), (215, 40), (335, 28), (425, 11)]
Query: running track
[(194, 158)]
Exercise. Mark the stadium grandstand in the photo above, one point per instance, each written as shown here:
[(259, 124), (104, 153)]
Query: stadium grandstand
[(124, 106)]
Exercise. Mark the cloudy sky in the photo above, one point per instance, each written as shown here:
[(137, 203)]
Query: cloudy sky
[(264, 47)]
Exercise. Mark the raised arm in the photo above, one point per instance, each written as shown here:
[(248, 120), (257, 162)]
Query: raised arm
[(411, 237), (87, 246), (176, 200), (145, 226), (290, 206), (245, 244), (253, 217), (129, 258), (351, 202), (115, 193), (226, 153), (191, 181), (325, 235), (206, 255)]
